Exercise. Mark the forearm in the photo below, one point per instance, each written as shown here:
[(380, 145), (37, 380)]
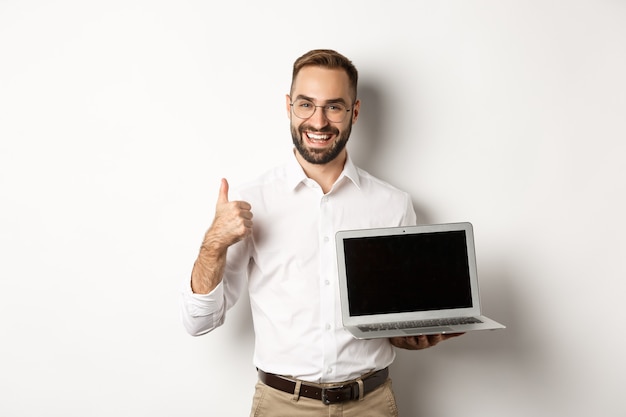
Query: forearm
[(208, 270), (206, 300), (200, 313)]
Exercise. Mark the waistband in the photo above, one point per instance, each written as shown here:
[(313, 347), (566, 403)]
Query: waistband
[(331, 394)]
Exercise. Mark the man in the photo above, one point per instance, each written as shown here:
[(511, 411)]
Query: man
[(308, 364)]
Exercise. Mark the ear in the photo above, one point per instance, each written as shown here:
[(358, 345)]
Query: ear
[(288, 105), (355, 111)]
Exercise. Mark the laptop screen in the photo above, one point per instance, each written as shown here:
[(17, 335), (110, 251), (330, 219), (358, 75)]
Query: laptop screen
[(407, 272)]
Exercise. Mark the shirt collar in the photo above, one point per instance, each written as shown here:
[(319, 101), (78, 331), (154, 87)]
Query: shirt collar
[(295, 174), (351, 172)]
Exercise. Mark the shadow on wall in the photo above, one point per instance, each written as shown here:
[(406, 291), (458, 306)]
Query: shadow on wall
[(368, 133), (370, 142)]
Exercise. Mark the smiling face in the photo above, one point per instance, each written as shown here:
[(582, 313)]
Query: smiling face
[(318, 140)]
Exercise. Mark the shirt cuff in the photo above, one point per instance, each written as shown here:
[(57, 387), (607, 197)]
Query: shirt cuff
[(199, 305)]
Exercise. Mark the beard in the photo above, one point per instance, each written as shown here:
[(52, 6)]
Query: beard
[(320, 156)]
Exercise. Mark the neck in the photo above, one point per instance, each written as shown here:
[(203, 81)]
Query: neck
[(324, 174)]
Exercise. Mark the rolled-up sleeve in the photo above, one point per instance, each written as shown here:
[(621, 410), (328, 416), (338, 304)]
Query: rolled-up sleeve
[(202, 313)]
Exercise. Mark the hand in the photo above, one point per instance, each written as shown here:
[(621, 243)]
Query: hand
[(421, 342), (232, 222)]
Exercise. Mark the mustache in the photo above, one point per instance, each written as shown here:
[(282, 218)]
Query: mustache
[(327, 129)]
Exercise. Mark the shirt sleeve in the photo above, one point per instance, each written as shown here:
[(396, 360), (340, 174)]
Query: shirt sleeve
[(202, 313), (409, 218)]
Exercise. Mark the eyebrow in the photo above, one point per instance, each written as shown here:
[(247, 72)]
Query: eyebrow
[(332, 100)]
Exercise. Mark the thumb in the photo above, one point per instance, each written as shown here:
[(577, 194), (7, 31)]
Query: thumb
[(223, 195)]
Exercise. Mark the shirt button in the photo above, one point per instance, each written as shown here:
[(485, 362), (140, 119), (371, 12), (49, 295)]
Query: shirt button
[(327, 282), (329, 371), (326, 239), (327, 326)]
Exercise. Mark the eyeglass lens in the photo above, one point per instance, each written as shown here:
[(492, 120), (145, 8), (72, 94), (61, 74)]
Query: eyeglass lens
[(334, 112)]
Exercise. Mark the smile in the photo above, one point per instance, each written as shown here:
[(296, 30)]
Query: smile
[(318, 137)]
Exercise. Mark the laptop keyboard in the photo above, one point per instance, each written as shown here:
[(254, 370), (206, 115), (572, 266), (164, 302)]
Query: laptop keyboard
[(415, 324)]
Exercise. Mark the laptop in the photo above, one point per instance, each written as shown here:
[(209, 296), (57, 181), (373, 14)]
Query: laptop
[(409, 281)]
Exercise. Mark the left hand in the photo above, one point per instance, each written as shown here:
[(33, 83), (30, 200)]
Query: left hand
[(421, 342)]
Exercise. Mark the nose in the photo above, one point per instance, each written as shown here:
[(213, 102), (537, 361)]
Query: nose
[(318, 119)]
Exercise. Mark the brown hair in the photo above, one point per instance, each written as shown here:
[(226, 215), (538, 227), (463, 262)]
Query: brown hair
[(330, 59)]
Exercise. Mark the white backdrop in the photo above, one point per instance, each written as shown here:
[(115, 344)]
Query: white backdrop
[(118, 119)]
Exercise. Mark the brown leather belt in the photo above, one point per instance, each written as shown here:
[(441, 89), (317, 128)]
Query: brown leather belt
[(328, 395)]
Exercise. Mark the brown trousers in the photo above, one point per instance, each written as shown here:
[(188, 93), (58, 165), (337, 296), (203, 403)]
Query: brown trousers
[(270, 402)]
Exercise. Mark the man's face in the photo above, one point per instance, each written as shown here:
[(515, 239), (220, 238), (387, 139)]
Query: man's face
[(317, 139)]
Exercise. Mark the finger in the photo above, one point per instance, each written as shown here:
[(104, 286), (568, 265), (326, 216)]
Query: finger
[(419, 342), (423, 341), (223, 194), (245, 208), (434, 339), (404, 342)]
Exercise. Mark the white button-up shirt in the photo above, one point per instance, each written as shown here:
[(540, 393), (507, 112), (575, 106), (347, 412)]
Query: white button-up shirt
[(289, 267)]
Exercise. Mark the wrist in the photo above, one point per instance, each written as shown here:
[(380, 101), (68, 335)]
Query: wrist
[(213, 246)]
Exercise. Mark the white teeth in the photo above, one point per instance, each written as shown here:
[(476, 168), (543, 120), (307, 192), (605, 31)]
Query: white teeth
[(318, 137)]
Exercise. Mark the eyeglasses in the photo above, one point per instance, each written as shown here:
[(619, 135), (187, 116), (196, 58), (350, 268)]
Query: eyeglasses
[(334, 112)]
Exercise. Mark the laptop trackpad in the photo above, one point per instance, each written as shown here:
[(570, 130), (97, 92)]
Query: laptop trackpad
[(428, 330)]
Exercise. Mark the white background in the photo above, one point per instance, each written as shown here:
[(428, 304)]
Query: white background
[(118, 119)]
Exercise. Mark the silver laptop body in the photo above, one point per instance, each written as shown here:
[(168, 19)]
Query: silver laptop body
[(406, 281)]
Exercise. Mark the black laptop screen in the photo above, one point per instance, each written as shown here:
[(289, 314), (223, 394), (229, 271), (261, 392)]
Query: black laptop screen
[(408, 272)]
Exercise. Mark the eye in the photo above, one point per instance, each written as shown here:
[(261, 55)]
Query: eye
[(335, 108), (304, 104)]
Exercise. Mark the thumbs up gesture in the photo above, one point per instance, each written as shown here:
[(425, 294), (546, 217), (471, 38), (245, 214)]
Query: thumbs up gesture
[(232, 222)]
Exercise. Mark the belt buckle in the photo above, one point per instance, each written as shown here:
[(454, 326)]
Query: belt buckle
[(325, 392), (325, 399)]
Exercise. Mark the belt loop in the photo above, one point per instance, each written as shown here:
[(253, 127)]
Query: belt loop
[(359, 381), (296, 391)]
